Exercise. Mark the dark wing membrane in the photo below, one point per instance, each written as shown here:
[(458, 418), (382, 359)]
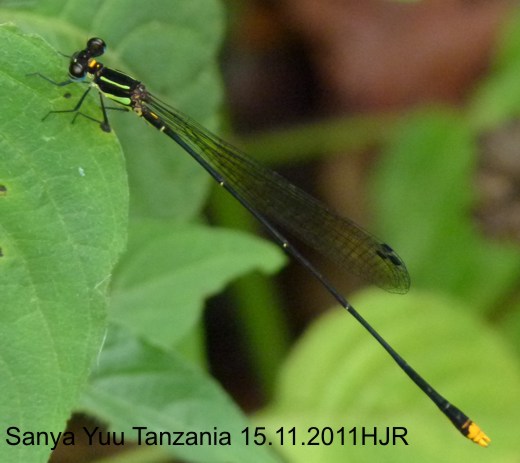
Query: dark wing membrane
[(271, 195)]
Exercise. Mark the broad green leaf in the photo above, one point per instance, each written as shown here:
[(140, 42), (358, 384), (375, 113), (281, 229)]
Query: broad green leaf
[(425, 181), (62, 227), (169, 270), (339, 376), (138, 385)]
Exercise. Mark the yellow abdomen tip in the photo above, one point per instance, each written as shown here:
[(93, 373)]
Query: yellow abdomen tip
[(477, 435)]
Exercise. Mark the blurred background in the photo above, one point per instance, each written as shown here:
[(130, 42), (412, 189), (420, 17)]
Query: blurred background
[(319, 91), (404, 117)]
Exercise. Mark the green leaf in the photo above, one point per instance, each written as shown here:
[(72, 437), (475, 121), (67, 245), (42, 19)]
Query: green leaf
[(350, 381), (138, 385), (169, 270), (62, 227)]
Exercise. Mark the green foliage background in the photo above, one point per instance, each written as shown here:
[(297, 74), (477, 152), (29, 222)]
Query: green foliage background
[(66, 210)]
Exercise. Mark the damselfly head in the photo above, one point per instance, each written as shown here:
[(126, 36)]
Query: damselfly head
[(83, 62)]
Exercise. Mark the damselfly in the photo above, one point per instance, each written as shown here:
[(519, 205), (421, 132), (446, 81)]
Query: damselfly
[(269, 197)]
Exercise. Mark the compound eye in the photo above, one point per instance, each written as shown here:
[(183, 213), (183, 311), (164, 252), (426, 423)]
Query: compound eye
[(96, 46), (77, 70)]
